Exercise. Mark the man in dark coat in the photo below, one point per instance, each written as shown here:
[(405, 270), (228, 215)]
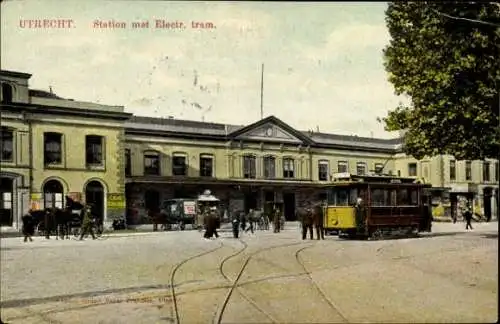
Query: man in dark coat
[(317, 212), (210, 217), (87, 223), (468, 217), (277, 220), (250, 220), (28, 226), (307, 222)]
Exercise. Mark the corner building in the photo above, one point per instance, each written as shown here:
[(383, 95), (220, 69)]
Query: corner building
[(125, 165), (52, 147)]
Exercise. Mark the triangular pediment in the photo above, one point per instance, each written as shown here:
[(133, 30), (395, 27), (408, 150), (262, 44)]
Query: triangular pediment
[(271, 129)]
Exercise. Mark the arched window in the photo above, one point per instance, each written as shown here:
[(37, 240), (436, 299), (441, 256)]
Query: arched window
[(53, 194), (7, 92), (6, 200)]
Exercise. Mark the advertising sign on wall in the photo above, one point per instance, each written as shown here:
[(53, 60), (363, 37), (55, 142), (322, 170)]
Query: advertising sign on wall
[(116, 201)]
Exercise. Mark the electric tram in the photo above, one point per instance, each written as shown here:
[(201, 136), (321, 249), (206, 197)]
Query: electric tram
[(375, 206)]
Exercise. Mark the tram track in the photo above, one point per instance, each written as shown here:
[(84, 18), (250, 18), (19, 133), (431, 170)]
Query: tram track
[(217, 319), (172, 279), (316, 286)]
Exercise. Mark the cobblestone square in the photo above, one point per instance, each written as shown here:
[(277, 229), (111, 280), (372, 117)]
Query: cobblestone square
[(450, 275)]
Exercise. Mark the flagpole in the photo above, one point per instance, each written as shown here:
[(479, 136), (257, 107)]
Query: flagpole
[(262, 92)]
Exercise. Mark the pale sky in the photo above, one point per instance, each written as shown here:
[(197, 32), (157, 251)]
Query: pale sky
[(323, 61)]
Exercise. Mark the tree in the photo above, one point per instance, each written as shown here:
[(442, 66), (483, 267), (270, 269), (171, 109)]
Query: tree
[(446, 58)]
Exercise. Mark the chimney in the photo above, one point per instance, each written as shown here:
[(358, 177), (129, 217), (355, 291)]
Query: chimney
[(317, 128)]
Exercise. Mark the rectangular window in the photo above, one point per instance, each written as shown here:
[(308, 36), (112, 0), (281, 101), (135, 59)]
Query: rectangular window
[(151, 163), (323, 171), (94, 149), (497, 175), (269, 167), (342, 167), (179, 165), (7, 142), (453, 170), (412, 169), (206, 166), (249, 167), (288, 168), (361, 168), (468, 170), (379, 167), (128, 163), (486, 171), (52, 148)]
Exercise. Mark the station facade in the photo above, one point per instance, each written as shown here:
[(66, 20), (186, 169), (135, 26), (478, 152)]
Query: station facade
[(125, 165)]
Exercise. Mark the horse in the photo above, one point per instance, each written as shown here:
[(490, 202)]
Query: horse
[(157, 217), (43, 221), (304, 215), (318, 219)]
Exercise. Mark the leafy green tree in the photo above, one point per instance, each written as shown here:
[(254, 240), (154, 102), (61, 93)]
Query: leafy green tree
[(446, 58)]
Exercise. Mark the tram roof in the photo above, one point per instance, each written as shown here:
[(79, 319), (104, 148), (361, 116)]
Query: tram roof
[(348, 178)]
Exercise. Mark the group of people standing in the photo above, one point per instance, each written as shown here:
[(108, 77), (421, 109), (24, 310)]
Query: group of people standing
[(312, 216), (246, 222)]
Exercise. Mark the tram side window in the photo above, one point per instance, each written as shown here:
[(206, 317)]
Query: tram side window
[(380, 197), (413, 197), (403, 198), (342, 197)]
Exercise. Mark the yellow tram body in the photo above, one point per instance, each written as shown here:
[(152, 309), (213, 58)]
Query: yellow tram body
[(339, 217)]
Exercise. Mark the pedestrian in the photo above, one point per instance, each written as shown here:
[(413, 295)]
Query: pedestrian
[(243, 220), (48, 222), (28, 226), (318, 222), (307, 222), (236, 224), (87, 223), (468, 217), (215, 217), (250, 221), (208, 223), (276, 220)]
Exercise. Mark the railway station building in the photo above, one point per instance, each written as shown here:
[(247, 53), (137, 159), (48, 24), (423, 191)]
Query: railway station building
[(125, 164)]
